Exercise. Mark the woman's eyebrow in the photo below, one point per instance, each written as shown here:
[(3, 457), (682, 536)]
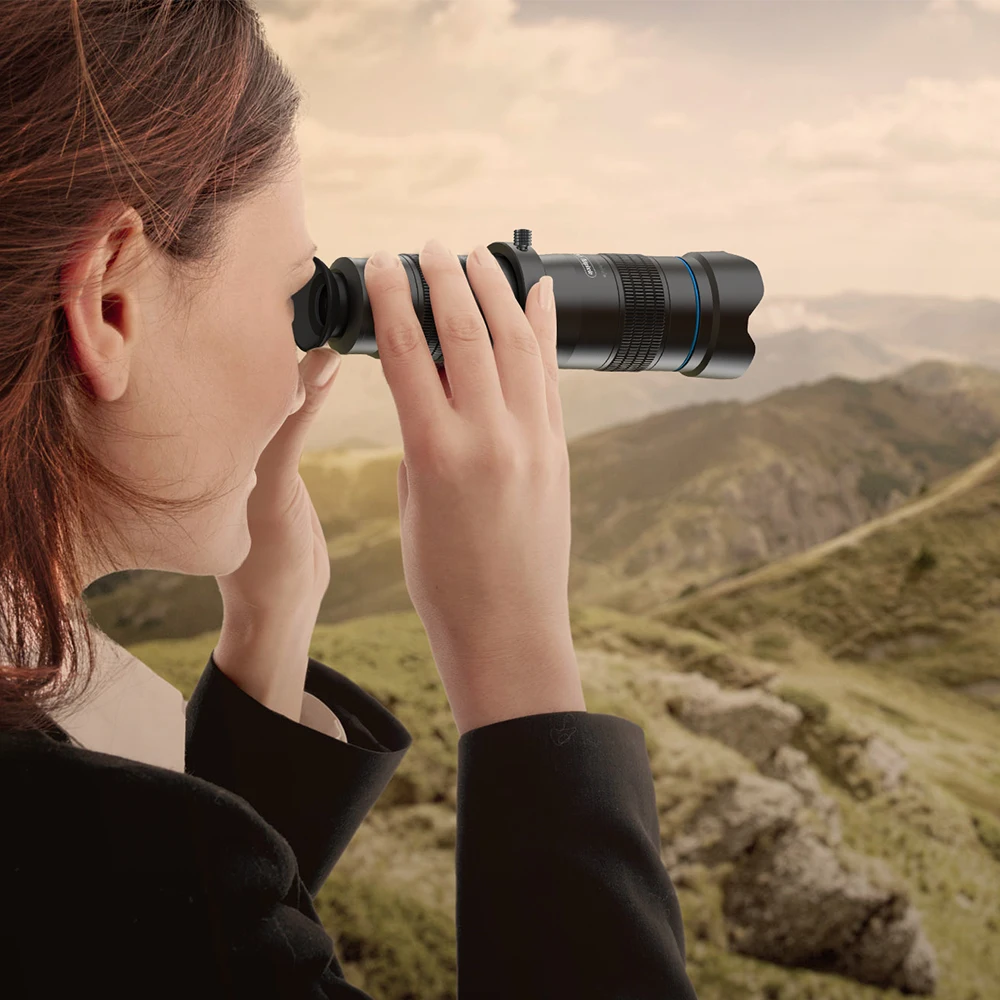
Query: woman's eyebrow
[(303, 260)]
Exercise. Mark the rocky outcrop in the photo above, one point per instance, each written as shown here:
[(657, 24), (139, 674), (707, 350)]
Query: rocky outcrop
[(729, 823), (793, 901), (886, 762), (794, 895), (752, 722), (862, 762)]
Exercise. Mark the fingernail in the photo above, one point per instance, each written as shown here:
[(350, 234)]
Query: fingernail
[(545, 297), (435, 246), (483, 256), (327, 370), (383, 258)]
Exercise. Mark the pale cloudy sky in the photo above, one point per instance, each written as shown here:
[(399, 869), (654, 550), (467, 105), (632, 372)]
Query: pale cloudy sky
[(839, 144)]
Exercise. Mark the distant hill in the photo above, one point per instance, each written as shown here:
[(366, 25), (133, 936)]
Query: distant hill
[(857, 335), (915, 593), (682, 497)]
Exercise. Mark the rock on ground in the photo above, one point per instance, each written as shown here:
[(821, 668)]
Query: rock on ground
[(792, 901)]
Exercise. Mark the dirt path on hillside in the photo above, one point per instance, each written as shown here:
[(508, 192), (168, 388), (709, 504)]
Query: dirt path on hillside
[(773, 572)]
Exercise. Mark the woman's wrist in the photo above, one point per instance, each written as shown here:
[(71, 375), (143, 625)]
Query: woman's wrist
[(268, 658), (487, 684)]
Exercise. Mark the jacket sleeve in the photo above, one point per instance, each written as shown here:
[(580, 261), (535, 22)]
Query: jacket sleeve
[(561, 888), (313, 789), (315, 715), (183, 890)]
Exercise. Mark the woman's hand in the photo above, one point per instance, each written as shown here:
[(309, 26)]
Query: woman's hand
[(287, 570), (484, 485), (271, 602)]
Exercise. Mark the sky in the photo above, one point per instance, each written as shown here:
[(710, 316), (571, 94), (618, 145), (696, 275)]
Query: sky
[(841, 145)]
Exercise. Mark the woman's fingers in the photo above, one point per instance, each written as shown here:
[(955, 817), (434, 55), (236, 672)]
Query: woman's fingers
[(406, 361), (516, 347), (517, 373), (462, 333)]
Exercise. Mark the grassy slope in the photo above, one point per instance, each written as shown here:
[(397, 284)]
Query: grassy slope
[(390, 903)]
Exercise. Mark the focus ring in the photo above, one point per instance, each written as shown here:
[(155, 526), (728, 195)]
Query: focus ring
[(643, 312)]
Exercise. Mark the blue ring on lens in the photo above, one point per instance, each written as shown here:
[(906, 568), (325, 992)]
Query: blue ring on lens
[(697, 314)]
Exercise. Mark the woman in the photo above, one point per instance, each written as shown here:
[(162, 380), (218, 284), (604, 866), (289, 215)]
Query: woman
[(152, 415)]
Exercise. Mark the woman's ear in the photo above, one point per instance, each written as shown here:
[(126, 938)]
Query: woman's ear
[(99, 295)]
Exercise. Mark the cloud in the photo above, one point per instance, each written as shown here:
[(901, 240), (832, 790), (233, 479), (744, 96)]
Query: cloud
[(624, 126), (669, 120), (776, 315), (468, 46), (347, 160), (935, 140), (930, 121), (412, 100)]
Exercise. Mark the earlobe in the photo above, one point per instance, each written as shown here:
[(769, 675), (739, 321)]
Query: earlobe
[(107, 375), (100, 314), (97, 340)]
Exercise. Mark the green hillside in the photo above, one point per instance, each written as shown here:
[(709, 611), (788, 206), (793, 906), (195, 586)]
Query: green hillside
[(914, 594), (683, 498), (389, 904)]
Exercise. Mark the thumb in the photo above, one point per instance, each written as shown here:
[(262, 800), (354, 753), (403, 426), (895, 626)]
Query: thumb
[(283, 453), (319, 369), (319, 365)]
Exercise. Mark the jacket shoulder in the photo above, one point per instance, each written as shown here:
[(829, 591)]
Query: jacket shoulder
[(172, 881)]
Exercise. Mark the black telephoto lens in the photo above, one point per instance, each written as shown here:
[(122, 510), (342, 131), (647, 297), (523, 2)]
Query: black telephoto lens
[(614, 312)]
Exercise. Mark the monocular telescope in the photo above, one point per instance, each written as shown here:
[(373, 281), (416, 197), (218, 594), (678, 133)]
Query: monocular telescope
[(614, 312)]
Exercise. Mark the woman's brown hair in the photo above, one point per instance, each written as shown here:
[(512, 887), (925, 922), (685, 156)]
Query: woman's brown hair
[(180, 109)]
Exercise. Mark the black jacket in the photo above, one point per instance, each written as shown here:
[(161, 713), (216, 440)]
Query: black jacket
[(123, 879)]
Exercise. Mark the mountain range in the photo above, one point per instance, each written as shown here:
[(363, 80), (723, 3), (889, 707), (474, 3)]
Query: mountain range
[(798, 341)]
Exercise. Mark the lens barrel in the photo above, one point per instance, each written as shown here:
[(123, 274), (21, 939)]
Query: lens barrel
[(615, 312)]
